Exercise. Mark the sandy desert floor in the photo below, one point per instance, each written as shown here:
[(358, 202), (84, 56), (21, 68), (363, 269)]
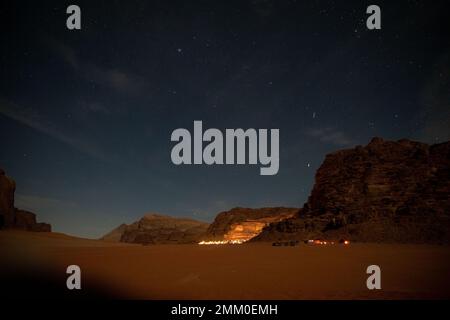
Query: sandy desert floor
[(250, 271)]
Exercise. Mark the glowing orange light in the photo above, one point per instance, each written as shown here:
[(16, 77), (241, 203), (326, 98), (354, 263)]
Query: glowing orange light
[(346, 242), (221, 242)]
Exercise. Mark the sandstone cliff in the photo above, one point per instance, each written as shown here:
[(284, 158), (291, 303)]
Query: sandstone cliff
[(384, 192), (7, 188), (11, 217), (245, 223), (159, 229)]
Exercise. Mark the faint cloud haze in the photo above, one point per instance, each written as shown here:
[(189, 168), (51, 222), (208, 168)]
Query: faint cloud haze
[(119, 80), (38, 203), (331, 135), (33, 119)]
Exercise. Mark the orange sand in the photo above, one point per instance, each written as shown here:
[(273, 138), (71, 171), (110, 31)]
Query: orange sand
[(249, 271)]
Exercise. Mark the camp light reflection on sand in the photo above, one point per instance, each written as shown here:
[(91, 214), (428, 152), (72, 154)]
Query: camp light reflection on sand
[(240, 241), (222, 242)]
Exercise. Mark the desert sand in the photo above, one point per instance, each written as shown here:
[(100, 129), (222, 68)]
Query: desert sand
[(248, 271)]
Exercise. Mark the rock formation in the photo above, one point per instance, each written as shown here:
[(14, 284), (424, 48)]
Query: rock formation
[(384, 192), (245, 223), (116, 234), (7, 188), (159, 229), (26, 220), (11, 217)]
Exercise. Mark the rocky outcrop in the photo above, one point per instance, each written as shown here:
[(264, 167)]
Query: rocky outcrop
[(245, 223), (159, 229), (7, 188), (115, 234), (384, 192), (11, 217), (26, 220)]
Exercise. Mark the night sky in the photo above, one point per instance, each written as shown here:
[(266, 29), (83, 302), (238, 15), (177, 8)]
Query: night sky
[(86, 115)]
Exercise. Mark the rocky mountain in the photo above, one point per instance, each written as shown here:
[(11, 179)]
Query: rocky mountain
[(11, 217), (116, 234), (387, 191), (245, 223), (159, 229)]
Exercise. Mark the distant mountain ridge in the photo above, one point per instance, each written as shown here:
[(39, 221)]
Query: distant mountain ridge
[(386, 191), (159, 229)]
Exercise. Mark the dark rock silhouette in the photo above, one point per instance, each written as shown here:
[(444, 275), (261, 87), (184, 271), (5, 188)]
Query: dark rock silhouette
[(159, 229), (11, 217), (26, 220), (7, 188), (384, 192)]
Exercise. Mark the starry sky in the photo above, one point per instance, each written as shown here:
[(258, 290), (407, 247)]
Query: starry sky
[(86, 115)]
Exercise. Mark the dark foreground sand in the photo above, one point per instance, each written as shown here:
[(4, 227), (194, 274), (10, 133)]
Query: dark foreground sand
[(251, 271)]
